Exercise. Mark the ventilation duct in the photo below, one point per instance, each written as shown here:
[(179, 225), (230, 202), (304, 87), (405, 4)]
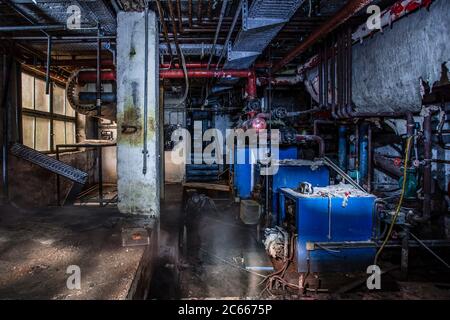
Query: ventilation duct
[(260, 24)]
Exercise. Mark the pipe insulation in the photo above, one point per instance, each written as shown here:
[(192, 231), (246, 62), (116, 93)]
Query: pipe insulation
[(388, 67)]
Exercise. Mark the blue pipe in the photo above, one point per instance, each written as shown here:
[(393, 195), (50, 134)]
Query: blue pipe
[(90, 97), (342, 152), (363, 152)]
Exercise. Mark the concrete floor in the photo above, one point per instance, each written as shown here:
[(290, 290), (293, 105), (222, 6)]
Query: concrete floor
[(37, 246)]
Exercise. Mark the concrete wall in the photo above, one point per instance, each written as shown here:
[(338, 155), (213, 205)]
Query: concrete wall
[(138, 193), (388, 66)]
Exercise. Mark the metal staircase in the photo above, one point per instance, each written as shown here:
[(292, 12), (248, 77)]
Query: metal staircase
[(49, 163)]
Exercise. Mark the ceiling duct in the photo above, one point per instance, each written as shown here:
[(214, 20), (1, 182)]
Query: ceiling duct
[(260, 24)]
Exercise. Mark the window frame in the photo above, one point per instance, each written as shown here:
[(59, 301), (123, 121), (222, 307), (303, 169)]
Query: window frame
[(50, 115)]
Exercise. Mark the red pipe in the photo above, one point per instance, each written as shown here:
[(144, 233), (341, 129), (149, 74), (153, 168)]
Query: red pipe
[(248, 74), (195, 65), (202, 65), (91, 76), (352, 7), (179, 74)]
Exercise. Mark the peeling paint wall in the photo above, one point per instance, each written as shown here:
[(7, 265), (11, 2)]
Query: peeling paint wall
[(387, 67), (138, 193)]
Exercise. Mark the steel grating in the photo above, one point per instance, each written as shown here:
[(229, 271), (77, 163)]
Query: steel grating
[(49, 163), (260, 24)]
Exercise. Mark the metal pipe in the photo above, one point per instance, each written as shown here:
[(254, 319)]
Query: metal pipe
[(350, 8), (350, 70), (190, 13), (164, 27), (423, 244), (370, 159), (248, 74), (179, 74), (91, 76), (312, 138), (219, 25), (199, 11), (343, 174), (320, 76), (209, 11), (33, 27), (194, 65), (387, 165), (174, 30), (49, 61), (5, 109), (333, 78), (325, 75), (98, 84), (342, 150), (363, 153), (230, 31), (180, 21), (427, 167), (100, 175), (145, 149), (316, 125)]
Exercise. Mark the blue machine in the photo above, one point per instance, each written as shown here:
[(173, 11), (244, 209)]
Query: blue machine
[(291, 173), (244, 174), (334, 231)]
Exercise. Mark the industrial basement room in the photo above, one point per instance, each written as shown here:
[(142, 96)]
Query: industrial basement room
[(232, 150)]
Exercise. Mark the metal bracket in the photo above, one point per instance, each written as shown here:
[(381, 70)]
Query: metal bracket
[(235, 55)]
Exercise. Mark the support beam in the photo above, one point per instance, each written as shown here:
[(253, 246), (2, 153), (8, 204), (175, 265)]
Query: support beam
[(138, 193)]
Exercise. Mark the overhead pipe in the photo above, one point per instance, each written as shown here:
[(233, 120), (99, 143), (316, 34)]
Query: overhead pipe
[(91, 76), (352, 7), (203, 65), (190, 13), (58, 27), (98, 84), (180, 21), (174, 30), (164, 27), (230, 31), (219, 25), (199, 11), (248, 74)]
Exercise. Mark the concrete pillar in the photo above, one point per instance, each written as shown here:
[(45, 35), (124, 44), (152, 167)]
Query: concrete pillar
[(138, 192)]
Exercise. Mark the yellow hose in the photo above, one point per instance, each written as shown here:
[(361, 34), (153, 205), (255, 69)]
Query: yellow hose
[(400, 202)]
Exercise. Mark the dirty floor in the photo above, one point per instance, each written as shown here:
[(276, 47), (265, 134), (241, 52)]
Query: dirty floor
[(37, 246)]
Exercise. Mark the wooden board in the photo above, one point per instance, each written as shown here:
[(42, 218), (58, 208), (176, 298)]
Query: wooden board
[(209, 186)]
